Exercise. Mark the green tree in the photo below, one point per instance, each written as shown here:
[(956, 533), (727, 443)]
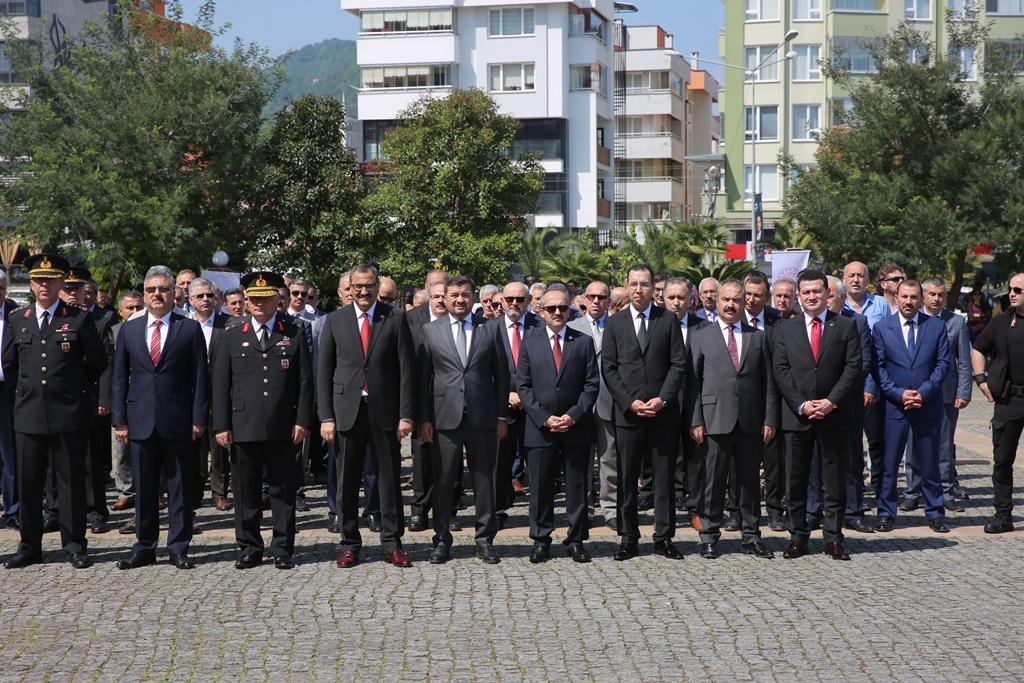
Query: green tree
[(537, 245), (304, 211), (927, 164), (139, 151), (577, 259), (672, 246), (451, 192)]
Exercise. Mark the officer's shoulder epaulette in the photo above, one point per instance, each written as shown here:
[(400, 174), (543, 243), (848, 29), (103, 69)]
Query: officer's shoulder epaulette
[(233, 323), (72, 304), (21, 310)]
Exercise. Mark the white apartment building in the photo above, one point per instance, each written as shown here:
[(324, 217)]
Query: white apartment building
[(664, 116), (546, 62)]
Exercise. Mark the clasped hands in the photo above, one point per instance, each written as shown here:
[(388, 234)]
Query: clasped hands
[(559, 423), (817, 409), (648, 409), (911, 399)]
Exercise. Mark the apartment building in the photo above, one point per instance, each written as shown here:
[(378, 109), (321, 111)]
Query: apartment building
[(546, 62), (664, 114), (789, 102)]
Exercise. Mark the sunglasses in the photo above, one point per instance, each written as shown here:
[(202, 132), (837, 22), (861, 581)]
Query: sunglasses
[(152, 289), (387, 299), (1017, 290), (298, 292), (204, 295), (134, 307), (551, 309), (597, 297), (895, 278), (514, 299)]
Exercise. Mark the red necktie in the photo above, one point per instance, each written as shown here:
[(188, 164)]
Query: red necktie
[(364, 337), (753, 321), (556, 351), (515, 344), (815, 337), (734, 353), (154, 344)]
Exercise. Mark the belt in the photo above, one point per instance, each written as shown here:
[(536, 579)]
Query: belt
[(1017, 390), (364, 399)]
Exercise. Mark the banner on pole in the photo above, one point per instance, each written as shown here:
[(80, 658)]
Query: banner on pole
[(758, 217), (788, 264)]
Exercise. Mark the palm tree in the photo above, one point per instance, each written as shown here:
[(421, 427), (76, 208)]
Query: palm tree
[(658, 249), (791, 236), (723, 270), (577, 259), (538, 244), (700, 241)]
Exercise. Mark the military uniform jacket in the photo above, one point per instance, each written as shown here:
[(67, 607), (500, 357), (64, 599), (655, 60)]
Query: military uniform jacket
[(104, 322), (261, 391), (56, 372)]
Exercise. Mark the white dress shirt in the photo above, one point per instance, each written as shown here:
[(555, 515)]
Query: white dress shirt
[(166, 320), (207, 328), (510, 330), (453, 325), (809, 322), (636, 318), (737, 333), (905, 329), (360, 314)]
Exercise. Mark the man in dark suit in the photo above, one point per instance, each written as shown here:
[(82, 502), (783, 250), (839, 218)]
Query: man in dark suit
[(53, 352), (956, 395), (817, 362), (513, 326), (913, 360), (644, 366), (422, 459), (259, 416), (733, 412), (463, 401), (365, 382), (8, 460), (161, 404), (689, 468), (558, 381)]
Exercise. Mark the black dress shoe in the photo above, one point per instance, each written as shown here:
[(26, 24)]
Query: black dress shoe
[(300, 504), (709, 551), (908, 504), (80, 560), (938, 525), (731, 522), (373, 522), (859, 524), (486, 552), (612, 523), (502, 518), (540, 553), (775, 522), (836, 551), (453, 525), (182, 561), (22, 560), (439, 555), (333, 526), (758, 549), (50, 526), (1001, 523), (99, 527), (249, 561), (884, 524), (795, 549), (137, 560), (578, 553), (418, 523), (128, 528), (283, 562), (954, 505), (644, 503), (13, 524), (626, 551), (666, 549)]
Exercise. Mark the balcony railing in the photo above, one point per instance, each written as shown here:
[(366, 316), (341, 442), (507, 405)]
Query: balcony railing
[(604, 156), (604, 208)]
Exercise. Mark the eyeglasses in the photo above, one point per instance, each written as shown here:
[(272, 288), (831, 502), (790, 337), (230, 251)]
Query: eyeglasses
[(596, 297), (387, 299), (364, 288), (639, 285), (152, 289), (551, 309), (514, 299), (134, 307), (895, 278), (298, 292), (1017, 290), (204, 295)]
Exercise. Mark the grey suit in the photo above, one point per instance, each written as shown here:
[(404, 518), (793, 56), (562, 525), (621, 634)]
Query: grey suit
[(603, 455), (733, 407), (957, 385), (464, 403)]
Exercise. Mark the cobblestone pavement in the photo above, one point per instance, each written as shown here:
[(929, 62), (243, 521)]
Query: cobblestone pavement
[(910, 606)]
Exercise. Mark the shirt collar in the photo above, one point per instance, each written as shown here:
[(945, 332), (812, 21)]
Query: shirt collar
[(904, 321), (722, 325), (646, 312), (52, 309), (166, 320), (256, 323), (551, 333), (509, 322), (452, 319), (808, 318), (759, 317), (359, 311)]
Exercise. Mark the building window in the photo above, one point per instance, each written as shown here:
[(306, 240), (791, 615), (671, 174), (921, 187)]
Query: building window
[(7, 74), (1005, 55), (629, 168), (551, 200), (659, 80), (807, 65), (918, 54), (435, 19), (852, 53), (961, 9), (587, 77), (1004, 6), (806, 121), (767, 182), (541, 136), (635, 81), (842, 109), (587, 22), (807, 10), (754, 56), (762, 123), (918, 10), (762, 10), (373, 136), (967, 63), (511, 21), (631, 125), (512, 77), (20, 8), (407, 76), (859, 5)]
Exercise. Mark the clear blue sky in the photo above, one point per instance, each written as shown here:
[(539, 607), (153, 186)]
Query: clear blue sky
[(283, 24)]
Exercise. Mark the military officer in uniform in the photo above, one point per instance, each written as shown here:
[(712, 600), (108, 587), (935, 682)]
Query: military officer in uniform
[(263, 405), (54, 351)]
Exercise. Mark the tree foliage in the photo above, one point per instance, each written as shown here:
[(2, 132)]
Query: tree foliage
[(451, 194), (674, 246), (927, 164), (138, 151)]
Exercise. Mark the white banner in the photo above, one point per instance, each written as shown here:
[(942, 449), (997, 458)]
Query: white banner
[(223, 279), (788, 264)]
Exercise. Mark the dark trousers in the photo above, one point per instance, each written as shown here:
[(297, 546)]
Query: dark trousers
[(834, 449), (351, 447), (509, 449), (174, 459), (926, 446), (689, 473), (98, 469), (220, 470), (855, 468), (1007, 425), (545, 465), (743, 453), (371, 494), (481, 457), (774, 460), (874, 430), (252, 462), (8, 458), (200, 469), (661, 441), (36, 453)]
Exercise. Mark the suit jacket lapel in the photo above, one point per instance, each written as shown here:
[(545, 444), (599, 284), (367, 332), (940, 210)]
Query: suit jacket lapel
[(917, 336), (568, 343), (172, 333), (380, 314), (478, 327), (748, 339), (827, 328)]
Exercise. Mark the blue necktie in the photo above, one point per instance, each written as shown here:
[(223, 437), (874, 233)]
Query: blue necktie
[(910, 337)]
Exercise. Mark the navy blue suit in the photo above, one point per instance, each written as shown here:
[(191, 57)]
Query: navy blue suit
[(570, 390), (160, 403), (922, 370)]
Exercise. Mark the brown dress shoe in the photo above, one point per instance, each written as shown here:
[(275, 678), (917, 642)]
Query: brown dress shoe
[(795, 549), (122, 504), (222, 503), (348, 559), (836, 551), (518, 487), (397, 558)]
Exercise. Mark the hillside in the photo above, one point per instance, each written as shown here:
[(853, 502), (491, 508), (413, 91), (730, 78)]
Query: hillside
[(325, 68)]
